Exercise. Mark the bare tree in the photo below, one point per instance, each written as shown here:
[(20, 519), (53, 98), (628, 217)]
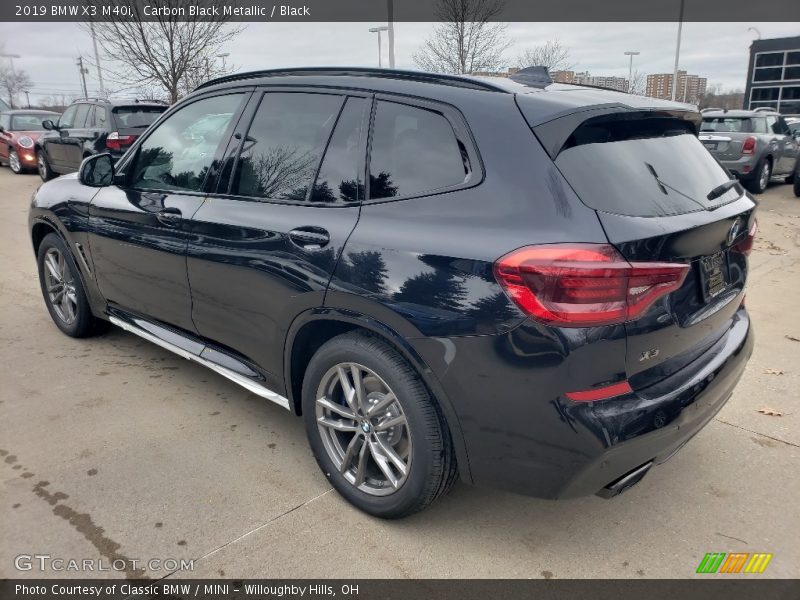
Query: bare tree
[(466, 40), (12, 82), (638, 83), (552, 54), (167, 52), (717, 97)]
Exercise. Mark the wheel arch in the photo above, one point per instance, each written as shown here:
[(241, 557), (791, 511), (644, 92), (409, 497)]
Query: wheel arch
[(314, 327)]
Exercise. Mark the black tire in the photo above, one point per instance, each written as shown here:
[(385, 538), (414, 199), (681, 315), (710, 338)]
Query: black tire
[(13, 162), (82, 323), (793, 177), (43, 167), (757, 183), (432, 465), (796, 186)]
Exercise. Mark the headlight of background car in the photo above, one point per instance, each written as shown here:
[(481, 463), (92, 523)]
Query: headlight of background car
[(25, 141)]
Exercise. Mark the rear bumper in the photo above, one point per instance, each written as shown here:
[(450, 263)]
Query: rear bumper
[(523, 436), (743, 167)]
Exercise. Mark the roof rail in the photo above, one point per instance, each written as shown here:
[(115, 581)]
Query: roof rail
[(764, 109), (453, 80), (710, 109)]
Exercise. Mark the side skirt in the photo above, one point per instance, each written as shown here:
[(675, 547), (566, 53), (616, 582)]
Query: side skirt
[(242, 380)]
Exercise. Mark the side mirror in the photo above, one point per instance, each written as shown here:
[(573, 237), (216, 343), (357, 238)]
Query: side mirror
[(97, 171), (2, 129), (48, 124)]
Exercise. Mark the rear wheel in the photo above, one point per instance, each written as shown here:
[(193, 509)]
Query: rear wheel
[(793, 177), (13, 162), (45, 172), (63, 290), (796, 186), (374, 429), (760, 178)]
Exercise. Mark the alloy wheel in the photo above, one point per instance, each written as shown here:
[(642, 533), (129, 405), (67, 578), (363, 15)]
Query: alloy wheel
[(60, 285), (763, 178), (363, 429), (13, 162)]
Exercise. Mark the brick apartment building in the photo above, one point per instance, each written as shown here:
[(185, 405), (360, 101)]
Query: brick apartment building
[(691, 88)]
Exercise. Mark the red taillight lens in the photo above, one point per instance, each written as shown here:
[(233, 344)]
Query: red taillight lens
[(582, 285), (749, 145), (746, 245), (115, 141)]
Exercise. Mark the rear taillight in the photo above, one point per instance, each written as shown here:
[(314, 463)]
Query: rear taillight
[(746, 245), (749, 145), (582, 285), (115, 141)]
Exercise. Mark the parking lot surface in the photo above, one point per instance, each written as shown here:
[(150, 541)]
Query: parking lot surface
[(112, 448)]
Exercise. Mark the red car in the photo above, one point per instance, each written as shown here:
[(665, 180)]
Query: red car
[(19, 130)]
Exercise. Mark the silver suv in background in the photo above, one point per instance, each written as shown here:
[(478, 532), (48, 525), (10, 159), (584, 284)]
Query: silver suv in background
[(754, 145)]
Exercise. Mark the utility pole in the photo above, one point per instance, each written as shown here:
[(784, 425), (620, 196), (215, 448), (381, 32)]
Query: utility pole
[(83, 71), (97, 60), (677, 54), (28, 98), (390, 24)]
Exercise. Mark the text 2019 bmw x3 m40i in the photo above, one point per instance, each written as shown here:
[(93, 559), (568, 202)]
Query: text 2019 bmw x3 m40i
[(532, 286)]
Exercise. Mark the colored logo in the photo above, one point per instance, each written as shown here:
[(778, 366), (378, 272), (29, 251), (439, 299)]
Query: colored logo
[(734, 562)]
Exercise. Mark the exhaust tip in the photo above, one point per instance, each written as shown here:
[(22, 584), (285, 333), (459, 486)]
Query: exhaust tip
[(625, 482)]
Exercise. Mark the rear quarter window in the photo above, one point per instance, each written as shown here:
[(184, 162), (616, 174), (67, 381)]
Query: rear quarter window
[(644, 168), (414, 151)]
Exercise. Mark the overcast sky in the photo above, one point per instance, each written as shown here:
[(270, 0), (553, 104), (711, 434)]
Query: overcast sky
[(718, 51)]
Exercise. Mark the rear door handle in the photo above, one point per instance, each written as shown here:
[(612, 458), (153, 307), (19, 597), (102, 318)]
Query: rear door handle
[(310, 237), (170, 216)]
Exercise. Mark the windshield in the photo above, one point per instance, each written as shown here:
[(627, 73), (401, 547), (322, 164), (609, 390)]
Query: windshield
[(137, 117), (30, 121), (642, 170)]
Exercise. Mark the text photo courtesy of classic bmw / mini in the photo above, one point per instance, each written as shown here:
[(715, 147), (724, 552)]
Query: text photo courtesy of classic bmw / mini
[(393, 298)]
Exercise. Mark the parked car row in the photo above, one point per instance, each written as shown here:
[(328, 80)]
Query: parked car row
[(56, 144)]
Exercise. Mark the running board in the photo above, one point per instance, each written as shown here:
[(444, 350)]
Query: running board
[(235, 377)]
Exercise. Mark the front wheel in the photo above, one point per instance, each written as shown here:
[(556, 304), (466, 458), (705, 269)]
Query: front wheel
[(63, 290), (374, 429), (45, 171), (13, 162)]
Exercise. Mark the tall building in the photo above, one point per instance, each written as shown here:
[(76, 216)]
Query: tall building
[(690, 87), (773, 75)]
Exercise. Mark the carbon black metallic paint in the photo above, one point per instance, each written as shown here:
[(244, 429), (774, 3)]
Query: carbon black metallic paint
[(228, 275)]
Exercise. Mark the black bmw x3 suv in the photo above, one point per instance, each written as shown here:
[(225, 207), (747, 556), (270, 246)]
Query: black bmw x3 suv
[(529, 286)]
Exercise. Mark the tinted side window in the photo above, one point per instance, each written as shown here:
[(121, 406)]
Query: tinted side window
[(284, 145), (414, 150), (80, 115), (340, 176), (174, 156), (68, 118), (772, 123)]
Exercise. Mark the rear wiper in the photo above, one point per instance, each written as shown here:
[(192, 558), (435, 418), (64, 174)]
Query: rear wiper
[(722, 188)]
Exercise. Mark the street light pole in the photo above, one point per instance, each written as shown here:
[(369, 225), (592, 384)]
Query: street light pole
[(83, 71), (378, 30), (677, 54), (631, 53), (390, 21)]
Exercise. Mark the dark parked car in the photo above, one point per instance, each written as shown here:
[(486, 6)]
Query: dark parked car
[(532, 286), (89, 127), (754, 145), (19, 130)]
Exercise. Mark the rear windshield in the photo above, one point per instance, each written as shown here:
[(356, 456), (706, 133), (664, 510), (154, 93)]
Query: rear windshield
[(643, 168), (137, 117), (734, 124)]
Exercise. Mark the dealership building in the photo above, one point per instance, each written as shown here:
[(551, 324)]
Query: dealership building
[(773, 75)]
